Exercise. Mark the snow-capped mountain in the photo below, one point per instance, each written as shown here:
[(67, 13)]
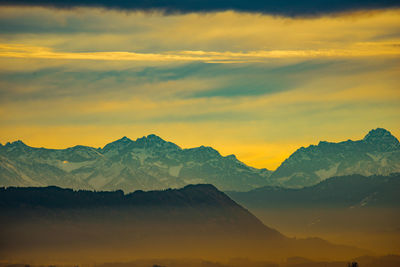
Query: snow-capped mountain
[(377, 154), (148, 163)]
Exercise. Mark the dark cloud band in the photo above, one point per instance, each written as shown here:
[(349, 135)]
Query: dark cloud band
[(283, 7)]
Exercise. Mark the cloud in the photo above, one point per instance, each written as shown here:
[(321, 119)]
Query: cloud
[(284, 7), (359, 50), (95, 30)]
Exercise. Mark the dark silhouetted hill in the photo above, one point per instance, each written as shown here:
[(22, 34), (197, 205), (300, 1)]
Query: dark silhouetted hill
[(197, 221)]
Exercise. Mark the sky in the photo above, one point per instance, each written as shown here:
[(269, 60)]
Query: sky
[(258, 80)]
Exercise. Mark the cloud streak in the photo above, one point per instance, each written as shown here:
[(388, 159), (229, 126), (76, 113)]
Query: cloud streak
[(284, 7), (360, 50)]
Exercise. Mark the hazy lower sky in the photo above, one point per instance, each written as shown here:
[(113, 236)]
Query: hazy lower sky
[(255, 84)]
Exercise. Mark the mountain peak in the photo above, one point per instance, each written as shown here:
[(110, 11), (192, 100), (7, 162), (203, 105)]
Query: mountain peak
[(16, 148), (154, 137), (380, 135), (17, 143), (118, 144), (124, 139), (151, 139), (154, 141)]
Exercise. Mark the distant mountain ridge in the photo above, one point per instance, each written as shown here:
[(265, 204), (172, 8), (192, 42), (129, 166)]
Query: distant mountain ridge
[(352, 191), (148, 163), (377, 154), (151, 163)]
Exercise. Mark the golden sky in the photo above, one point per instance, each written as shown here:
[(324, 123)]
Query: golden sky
[(254, 85)]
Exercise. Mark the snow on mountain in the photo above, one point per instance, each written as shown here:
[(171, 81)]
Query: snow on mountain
[(148, 163), (377, 154)]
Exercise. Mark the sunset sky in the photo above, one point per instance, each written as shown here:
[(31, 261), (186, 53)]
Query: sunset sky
[(256, 82)]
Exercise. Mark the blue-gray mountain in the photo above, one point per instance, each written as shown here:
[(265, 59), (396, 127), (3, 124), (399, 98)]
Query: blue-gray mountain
[(377, 154), (151, 163), (148, 163)]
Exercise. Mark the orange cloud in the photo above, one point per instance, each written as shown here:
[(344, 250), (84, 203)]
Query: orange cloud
[(359, 50)]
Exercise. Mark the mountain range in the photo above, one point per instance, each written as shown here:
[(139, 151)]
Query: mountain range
[(150, 163), (147, 163)]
